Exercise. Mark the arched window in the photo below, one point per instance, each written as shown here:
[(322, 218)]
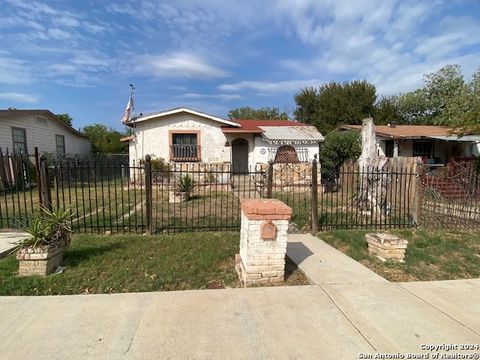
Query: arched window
[(286, 154)]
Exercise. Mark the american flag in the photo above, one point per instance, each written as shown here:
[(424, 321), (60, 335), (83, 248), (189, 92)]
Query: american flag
[(128, 110)]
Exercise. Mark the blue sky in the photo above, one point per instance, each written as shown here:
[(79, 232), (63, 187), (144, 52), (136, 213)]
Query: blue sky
[(80, 56)]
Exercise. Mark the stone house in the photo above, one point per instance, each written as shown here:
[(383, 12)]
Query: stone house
[(183, 135)]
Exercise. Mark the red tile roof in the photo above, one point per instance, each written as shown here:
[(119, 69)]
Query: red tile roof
[(252, 126)]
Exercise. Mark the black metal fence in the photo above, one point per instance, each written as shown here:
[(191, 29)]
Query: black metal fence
[(113, 197)]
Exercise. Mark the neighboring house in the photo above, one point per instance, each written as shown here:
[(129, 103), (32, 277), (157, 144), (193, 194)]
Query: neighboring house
[(184, 135), (435, 144), (24, 130)]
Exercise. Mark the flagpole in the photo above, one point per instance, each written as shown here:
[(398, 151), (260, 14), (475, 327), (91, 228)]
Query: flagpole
[(133, 117)]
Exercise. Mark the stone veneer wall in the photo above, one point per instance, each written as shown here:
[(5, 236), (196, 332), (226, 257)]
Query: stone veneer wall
[(262, 260), (39, 261)]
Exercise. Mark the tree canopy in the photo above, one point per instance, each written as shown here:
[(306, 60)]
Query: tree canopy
[(66, 118), (446, 98), (264, 113), (105, 140), (335, 103)]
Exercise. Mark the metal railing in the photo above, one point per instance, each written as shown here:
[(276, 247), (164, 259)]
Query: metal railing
[(107, 197), (185, 152)]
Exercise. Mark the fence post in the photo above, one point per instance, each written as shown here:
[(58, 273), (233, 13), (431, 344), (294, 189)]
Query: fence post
[(45, 186), (270, 180), (37, 172), (314, 202), (417, 212), (148, 193)]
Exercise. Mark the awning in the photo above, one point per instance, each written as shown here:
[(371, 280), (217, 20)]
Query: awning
[(465, 138), (291, 135)]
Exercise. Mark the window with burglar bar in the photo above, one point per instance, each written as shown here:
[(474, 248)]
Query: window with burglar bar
[(185, 147)]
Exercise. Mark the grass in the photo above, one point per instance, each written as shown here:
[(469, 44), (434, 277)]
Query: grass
[(117, 264), (431, 255)]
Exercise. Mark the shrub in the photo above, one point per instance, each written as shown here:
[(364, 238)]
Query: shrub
[(339, 146), (160, 169)]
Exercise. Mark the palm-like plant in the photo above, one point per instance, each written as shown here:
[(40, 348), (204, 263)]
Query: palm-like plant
[(59, 233), (185, 184), (50, 230)]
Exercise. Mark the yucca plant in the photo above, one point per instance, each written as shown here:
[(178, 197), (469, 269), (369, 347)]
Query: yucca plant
[(50, 230), (59, 232), (37, 230), (185, 184)]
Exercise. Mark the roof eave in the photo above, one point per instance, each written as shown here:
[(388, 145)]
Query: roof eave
[(182, 109)]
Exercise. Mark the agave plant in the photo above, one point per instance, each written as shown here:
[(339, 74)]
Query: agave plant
[(185, 184), (37, 230), (59, 233), (50, 230)]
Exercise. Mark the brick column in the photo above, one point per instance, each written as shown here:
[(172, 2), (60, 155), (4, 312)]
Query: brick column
[(263, 241)]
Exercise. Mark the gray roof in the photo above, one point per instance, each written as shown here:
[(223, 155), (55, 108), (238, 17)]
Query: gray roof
[(465, 138), (291, 134)]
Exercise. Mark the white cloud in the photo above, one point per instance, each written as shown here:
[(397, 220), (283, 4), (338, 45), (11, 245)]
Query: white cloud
[(391, 43), (67, 21), (14, 71), (19, 97), (270, 87), (178, 64), (58, 34), (223, 97)]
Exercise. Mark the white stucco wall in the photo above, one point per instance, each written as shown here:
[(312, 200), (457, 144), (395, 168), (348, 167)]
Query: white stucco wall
[(40, 132), (153, 137)]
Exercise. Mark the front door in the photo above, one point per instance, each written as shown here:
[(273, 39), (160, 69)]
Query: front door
[(239, 156)]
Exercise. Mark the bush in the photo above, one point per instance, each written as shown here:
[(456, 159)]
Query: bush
[(160, 169), (339, 146)]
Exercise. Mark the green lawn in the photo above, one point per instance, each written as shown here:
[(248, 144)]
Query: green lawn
[(431, 255), (132, 263)]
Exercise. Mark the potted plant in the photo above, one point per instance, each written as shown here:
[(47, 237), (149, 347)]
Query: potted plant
[(42, 252), (183, 189)]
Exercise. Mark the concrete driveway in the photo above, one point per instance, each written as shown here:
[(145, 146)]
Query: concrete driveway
[(339, 317)]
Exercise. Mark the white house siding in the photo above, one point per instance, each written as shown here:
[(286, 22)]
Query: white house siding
[(153, 137), (40, 132)]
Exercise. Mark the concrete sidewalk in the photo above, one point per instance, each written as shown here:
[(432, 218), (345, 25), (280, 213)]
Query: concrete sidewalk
[(256, 323), (8, 240), (349, 310), (324, 264), (390, 315)]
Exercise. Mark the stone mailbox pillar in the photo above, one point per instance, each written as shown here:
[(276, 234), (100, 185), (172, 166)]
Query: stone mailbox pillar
[(263, 241)]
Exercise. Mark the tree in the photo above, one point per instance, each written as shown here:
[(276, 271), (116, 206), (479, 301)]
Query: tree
[(445, 99), (413, 108), (307, 106), (442, 90), (264, 113), (339, 146), (462, 112), (335, 103), (105, 140), (387, 111), (66, 118)]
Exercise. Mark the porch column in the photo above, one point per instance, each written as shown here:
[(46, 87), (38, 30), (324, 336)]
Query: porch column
[(395, 148)]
